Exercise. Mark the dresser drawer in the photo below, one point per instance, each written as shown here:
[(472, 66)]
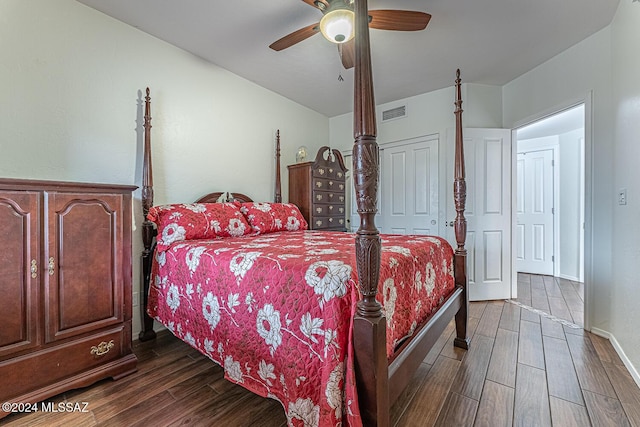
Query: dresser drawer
[(320, 223), (334, 197), (50, 365), (329, 172), (328, 185), (328, 210)]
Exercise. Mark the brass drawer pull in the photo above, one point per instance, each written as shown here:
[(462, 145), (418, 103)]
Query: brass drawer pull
[(52, 265), (34, 268), (102, 348)]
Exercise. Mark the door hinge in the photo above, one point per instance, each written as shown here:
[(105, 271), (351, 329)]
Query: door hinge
[(553, 211), (553, 258), (553, 163)]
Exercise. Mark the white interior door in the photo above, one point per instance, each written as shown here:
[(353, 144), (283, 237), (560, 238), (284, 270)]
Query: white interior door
[(488, 211), (534, 228), (409, 202)]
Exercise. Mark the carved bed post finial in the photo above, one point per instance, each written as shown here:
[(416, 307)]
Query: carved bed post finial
[(459, 183), (147, 172), (460, 224), (278, 192), (148, 230), (366, 159)]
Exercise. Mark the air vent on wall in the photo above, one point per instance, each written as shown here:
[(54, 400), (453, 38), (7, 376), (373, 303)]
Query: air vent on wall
[(394, 113)]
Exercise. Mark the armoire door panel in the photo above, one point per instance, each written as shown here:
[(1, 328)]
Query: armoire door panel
[(19, 271), (83, 278)]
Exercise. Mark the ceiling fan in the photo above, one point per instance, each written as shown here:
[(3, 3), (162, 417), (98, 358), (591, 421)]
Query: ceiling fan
[(337, 26)]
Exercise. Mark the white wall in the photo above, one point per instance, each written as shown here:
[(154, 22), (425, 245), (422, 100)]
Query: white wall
[(625, 293), (605, 65), (427, 114), (562, 81), (71, 82)]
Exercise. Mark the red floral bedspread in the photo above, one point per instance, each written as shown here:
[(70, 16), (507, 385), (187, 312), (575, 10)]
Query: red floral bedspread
[(275, 310)]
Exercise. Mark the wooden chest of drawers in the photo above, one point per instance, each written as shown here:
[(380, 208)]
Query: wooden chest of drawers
[(318, 189)]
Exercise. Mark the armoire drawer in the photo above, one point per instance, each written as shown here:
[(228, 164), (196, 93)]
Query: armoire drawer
[(54, 363)]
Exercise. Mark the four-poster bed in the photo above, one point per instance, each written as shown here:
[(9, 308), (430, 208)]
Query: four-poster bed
[(375, 351)]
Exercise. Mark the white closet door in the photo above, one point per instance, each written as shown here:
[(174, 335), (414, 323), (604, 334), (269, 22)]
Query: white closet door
[(409, 199)]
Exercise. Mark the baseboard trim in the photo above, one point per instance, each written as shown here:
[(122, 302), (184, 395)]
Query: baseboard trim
[(616, 346), (567, 277)]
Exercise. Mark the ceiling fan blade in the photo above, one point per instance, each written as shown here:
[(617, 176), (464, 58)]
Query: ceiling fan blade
[(348, 53), (295, 37), (313, 3), (398, 20)]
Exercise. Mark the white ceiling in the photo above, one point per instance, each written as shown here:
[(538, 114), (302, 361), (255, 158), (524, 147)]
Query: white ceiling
[(491, 41)]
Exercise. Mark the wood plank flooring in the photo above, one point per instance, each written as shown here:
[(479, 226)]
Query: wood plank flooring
[(523, 369)]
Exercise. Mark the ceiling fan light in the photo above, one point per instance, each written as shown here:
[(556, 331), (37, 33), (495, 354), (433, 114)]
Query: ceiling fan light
[(337, 25)]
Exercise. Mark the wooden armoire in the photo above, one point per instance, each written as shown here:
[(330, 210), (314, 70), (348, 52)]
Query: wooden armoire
[(318, 188), (65, 282)]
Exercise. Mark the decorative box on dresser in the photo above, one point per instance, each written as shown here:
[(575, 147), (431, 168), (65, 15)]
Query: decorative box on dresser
[(318, 189), (65, 282)]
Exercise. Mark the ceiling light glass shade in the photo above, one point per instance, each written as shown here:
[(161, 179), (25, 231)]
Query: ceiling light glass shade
[(337, 25)]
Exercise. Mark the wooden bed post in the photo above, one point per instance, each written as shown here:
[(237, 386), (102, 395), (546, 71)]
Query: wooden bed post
[(278, 192), (369, 327), (148, 230), (460, 225)]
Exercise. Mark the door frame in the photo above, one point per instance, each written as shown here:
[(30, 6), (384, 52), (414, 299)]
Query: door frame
[(587, 194)]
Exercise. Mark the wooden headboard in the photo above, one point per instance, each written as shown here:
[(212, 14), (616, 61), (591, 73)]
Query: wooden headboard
[(223, 196)]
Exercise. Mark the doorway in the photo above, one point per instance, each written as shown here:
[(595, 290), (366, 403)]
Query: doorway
[(549, 189)]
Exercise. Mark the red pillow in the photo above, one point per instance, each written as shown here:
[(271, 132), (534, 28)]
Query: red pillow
[(197, 221), (270, 217)]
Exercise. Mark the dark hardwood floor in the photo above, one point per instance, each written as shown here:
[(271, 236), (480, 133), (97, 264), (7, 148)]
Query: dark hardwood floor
[(525, 368)]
